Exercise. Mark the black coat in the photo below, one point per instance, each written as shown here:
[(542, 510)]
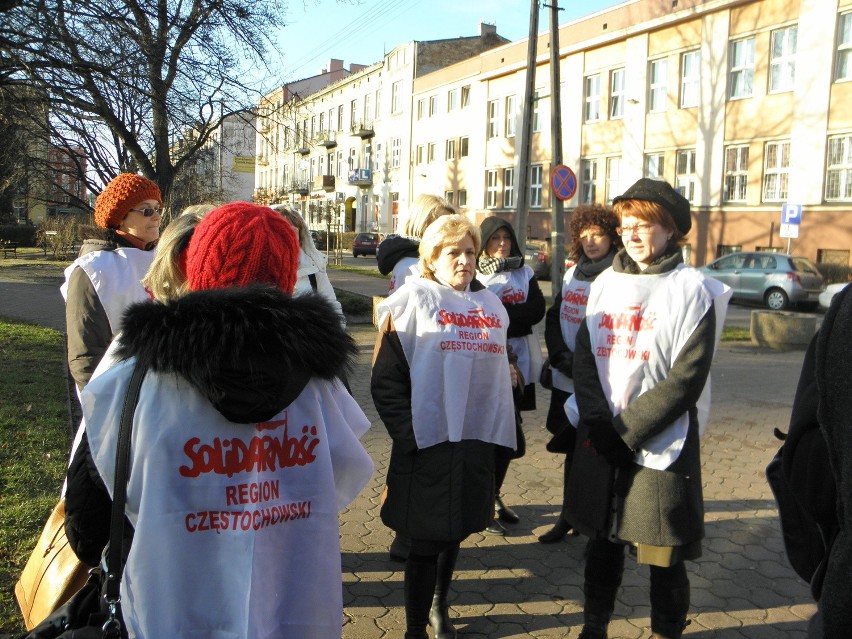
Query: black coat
[(440, 493)]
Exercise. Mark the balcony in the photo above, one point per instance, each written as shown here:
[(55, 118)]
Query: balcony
[(324, 182), (326, 139), (300, 188), (262, 162), (361, 177), (363, 129)]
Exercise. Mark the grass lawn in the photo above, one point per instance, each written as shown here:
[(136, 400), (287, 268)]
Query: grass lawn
[(32, 266), (34, 440)]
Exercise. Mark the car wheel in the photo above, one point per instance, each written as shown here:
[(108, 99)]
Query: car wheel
[(354, 254), (776, 299)]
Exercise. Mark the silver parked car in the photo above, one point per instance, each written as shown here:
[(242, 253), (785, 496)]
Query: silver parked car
[(776, 279)]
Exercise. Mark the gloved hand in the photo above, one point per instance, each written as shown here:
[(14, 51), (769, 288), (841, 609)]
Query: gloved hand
[(609, 445)]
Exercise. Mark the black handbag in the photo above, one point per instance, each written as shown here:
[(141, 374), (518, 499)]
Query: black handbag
[(93, 612)]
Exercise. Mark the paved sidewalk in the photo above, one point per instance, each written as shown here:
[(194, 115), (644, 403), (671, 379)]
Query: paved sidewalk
[(513, 587)]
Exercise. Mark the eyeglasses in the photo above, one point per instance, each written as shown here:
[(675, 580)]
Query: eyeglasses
[(148, 212), (639, 229)]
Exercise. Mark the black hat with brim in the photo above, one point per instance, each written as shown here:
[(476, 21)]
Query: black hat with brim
[(663, 194)]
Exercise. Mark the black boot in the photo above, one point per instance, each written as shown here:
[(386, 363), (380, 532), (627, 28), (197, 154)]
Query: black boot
[(560, 529), (439, 617), (603, 572), (420, 574), (669, 601), (504, 513)]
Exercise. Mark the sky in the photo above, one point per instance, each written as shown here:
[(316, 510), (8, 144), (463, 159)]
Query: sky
[(361, 31)]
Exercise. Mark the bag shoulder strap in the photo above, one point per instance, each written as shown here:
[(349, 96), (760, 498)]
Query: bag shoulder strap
[(112, 583)]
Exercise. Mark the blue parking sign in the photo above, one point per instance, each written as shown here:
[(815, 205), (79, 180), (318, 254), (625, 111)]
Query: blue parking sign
[(791, 214)]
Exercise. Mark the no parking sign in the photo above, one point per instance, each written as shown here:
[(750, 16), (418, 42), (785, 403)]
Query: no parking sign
[(563, 182)]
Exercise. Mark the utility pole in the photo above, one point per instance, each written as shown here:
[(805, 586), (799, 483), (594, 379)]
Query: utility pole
[(523, 181), (557, 226)]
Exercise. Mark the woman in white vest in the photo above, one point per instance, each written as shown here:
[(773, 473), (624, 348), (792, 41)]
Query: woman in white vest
[(244, 446), (442, 386), (106, 278), (398, 255), (501, 268), (641, 368), (594, 242)]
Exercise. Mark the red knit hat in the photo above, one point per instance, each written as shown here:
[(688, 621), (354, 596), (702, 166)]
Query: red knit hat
[(124, 192), (239, 244)]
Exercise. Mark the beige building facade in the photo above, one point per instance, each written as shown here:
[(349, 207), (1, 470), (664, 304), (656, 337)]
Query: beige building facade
[(741, 104)]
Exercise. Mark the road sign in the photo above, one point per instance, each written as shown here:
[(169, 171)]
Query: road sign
[(791, 214), (789, 230), (563, 182)]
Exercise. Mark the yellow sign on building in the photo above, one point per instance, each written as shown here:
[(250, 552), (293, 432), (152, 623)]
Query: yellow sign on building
[(243, 164)]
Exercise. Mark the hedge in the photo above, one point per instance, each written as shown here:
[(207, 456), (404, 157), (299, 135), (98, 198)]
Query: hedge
[(23, 234)]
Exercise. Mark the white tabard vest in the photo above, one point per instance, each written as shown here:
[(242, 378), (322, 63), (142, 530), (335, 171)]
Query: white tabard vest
[(455, 345), (404, 269), (638, 325), (513, 287), (236, 529), (117, 278), (572, 310)]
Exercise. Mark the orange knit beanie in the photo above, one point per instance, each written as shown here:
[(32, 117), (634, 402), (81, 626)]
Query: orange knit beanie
[(124, 192), (240, 244)]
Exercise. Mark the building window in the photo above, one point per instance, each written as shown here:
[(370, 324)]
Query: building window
[(690, 63), (776, 171), (433, 105), (396, 96), (396, 148), (452, 100), (838, 179), (616, 94), (322, 122), (463, 146), (535, 185), (843, 69), (449, 196), (736, 173), (742, 68), (340, 170), (430, 152), (588, 179), (419, 152), (592, 111), (368, 107), (685, 173), (465, 96), (508, 188), (654, 166), (782, 65), (451, 149), (613, 168), (510, 116), (493, 118), (378, 104), (658, 87), (421, 108), (491, 189), (353, 113), (536, 112), (340, 118), (462, 197)]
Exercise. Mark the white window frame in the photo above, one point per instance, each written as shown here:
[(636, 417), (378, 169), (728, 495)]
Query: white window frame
[(776, 171), (655, 165), (736, 173), (419, 153), (430, 152), (396, 152), (464, 146), (843, 64), (465, 96), (658, 85), (449, 196), (491, 189), (462, 201), (741, 74), (450, 149), (685, 176), (690, 72), (838, 169), (452, 100), (592, 96), (433, 105), (510, 116), (588, 181), (616, 93), (613, 172), (421, 108), (396, 97), (493, 118), (368, 107), (536, 176), (536, 112), (509, 188), (782, 60)]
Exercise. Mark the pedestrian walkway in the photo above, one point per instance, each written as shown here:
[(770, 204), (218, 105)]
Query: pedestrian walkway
[(513, 586)]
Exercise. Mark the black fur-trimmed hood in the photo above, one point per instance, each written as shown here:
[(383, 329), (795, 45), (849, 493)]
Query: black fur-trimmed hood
[(250, 351)]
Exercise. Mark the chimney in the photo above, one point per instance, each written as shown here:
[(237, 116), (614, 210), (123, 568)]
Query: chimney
[(487, 28), (335, 65)]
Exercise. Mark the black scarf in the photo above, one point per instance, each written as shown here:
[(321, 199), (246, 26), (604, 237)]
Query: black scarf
[(587, 270), (490, 265)]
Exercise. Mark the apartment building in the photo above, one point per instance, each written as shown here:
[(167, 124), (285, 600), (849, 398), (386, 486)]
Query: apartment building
[(741, 104), (342, 151)]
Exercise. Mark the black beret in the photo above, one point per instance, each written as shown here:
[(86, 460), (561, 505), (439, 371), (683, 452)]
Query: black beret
[(662, 193)]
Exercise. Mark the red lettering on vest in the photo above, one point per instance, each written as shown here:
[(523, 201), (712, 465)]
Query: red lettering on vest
[(475, 318), (631, 320)]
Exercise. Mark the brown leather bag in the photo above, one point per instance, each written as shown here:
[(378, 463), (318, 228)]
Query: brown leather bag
[(52, 574)]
